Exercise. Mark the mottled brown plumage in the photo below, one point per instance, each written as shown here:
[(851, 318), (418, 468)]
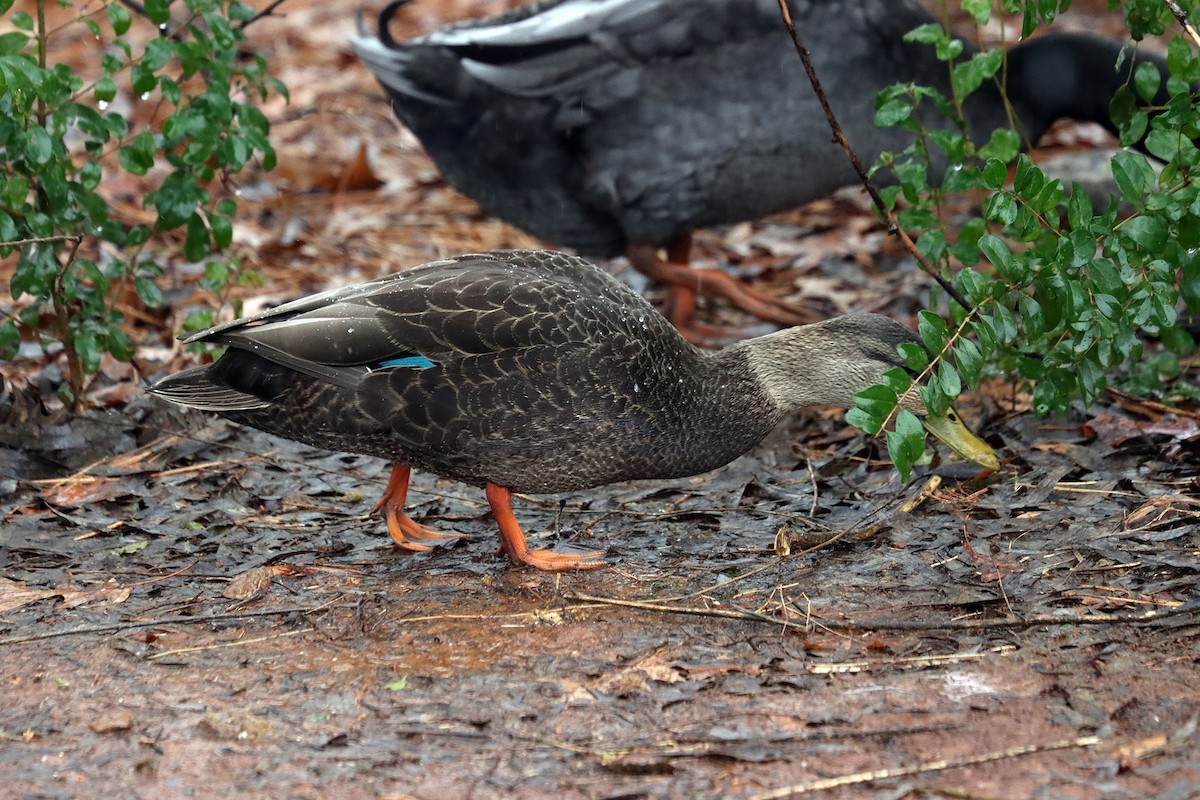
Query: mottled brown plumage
[(529, 370)]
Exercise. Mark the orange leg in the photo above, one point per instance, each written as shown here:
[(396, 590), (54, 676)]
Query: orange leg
[(512, 540), (406, 532), (685, 282)]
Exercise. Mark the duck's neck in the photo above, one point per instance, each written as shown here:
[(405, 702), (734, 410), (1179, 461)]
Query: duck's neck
[(798, 367)]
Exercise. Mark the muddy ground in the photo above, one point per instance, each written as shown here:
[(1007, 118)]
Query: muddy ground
[(191, 609)]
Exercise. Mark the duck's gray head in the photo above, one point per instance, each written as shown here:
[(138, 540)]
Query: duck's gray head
[(828, 362)]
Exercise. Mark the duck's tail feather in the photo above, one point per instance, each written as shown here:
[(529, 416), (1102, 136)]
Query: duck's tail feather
[(194, 388)]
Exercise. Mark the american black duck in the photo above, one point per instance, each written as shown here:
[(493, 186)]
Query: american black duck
[(526, 371), (621, 126)]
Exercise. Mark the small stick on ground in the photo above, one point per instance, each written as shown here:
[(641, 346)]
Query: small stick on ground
[(919, 769)]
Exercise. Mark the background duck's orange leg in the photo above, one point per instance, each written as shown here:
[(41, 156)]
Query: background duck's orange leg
[(512, 540), (405, 531), (686, 282)]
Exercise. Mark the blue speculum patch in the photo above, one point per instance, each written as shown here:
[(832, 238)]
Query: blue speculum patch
[(420, 362)]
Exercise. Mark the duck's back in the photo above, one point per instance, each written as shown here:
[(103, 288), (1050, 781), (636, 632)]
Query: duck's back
[(598, 123)]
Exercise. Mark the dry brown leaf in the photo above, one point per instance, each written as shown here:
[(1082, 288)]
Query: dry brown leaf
[(14, 595), (114, 721), (251, 584)]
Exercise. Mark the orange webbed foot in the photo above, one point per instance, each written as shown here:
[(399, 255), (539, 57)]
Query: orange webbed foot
[(406, 532), (512, 540)]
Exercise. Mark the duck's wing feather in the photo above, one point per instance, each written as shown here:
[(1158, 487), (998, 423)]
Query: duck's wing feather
[(558, 49), (443, 312)]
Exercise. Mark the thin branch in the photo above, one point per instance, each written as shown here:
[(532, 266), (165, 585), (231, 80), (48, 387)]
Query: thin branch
[(62, 316), (840, 138), (1188, 28), (61, 237), (929, 766), (266, 12), (1144, 618), (119, 627)]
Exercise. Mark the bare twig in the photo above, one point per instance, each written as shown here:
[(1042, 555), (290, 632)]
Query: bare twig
[(266, 12), (929, 766), (1187, 26), (840, 138), (1144, 618), (62, 316), (130, 625), (62, 237)]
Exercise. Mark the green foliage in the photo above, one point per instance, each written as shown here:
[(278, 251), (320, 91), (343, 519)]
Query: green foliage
[(1062, 297), (63, 136)]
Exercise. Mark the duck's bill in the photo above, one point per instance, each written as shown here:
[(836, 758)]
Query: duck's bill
[(950, 431)]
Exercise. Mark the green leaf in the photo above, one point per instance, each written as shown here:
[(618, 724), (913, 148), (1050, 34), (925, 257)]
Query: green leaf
[(21, 21), (893, 112), (12, 43), (105, 90), (1079, 209), (118, 344), (1146, 80), (948, 380), (133, 547), (159, 51), (1002, 207), (877, 401), (197, 245), (8, 229), (170, 90), (906, 444), (158, 11), (138, 156), (142, 80), (1003, 145), (932, 329), (1133, 175), (176, 199), (38, 145), (118, 17), (969, 360), (996, 251), (995, 173), (1148, 232), (1032, 318), (222, 231), (935, 398), (916, 357), (10, 339), (897, 380), (90, 175), (148, 290), (980, 10)]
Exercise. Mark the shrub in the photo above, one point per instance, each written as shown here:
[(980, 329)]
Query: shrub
[(62, 140), (1060, 296)]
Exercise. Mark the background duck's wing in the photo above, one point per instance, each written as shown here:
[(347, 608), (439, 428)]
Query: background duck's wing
[(562, 48)]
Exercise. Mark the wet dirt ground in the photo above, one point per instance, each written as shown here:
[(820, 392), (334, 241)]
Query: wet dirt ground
[(192, 609)]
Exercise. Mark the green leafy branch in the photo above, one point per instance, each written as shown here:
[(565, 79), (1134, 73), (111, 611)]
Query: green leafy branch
[(59, 133), (1069, 297)]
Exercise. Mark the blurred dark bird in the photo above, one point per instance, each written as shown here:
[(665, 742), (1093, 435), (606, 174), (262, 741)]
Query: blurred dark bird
[(527, 371), (612, 126)]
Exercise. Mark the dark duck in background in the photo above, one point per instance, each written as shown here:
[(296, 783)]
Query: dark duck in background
[(621, 126)]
